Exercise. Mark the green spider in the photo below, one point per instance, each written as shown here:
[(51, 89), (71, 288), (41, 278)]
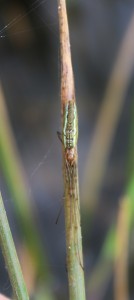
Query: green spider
[(69, 134)]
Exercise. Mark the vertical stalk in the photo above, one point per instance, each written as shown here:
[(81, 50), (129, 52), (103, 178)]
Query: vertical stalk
[(71, 186), (121, 251), (10, 256)]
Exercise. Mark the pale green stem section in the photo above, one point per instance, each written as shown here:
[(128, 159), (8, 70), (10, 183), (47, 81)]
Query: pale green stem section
[(72, 206), (74, 240), (121, 290), (10, 256)]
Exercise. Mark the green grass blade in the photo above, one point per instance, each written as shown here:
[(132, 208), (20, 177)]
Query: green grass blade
[(10, 256)]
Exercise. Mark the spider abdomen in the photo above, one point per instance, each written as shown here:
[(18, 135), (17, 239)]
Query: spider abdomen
[(70, 125)]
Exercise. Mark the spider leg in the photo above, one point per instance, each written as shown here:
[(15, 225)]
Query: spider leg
[(76, 214), (59, 136), (69, 184), (74, 204)]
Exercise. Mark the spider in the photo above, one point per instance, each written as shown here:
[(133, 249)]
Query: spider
[(69, 139)]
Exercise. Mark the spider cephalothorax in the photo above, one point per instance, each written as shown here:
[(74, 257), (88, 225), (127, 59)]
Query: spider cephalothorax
[(71, 156)]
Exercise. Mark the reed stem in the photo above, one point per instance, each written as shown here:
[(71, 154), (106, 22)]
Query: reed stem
[(71, 185)]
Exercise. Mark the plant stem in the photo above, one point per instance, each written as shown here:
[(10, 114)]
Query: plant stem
[(10, 255), (121, 251), (72, 204)]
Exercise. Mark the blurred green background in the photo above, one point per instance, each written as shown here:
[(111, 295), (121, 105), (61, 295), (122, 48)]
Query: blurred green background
[(30, 78)]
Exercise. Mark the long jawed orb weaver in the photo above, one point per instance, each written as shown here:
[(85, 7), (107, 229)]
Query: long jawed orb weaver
[(69, 139)]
